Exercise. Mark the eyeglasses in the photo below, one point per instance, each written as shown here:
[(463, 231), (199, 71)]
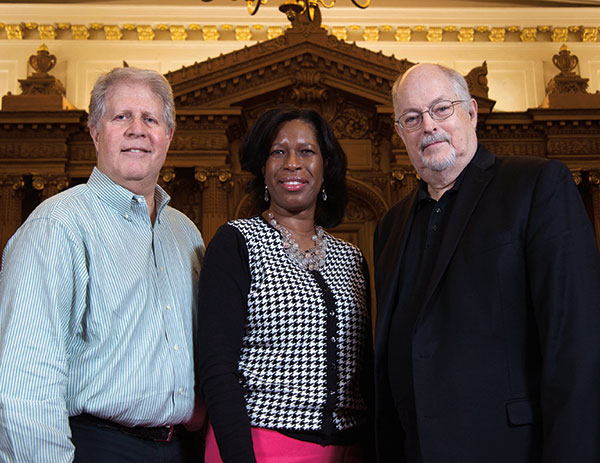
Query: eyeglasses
[(442, 110)]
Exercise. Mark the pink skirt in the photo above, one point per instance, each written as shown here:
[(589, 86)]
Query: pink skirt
[(274, 447)]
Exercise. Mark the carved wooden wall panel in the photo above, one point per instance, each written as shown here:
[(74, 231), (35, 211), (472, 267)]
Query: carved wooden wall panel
[(41, 152)]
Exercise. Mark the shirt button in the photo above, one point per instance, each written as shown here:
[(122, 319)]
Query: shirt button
[(176, 347), (168, 307), (435, 228), (162, 269), (332, 313), (437, 210), (180, 391), (139, 200), (332, 339)]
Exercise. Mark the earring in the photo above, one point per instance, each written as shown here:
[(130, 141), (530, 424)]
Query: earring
[(266, 197), (323, 194)]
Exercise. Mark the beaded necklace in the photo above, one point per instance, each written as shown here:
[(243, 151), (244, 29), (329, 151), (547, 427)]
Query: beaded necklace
[(313, 258)]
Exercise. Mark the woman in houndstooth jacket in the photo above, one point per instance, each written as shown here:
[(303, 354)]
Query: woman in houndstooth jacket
[(284, 333)]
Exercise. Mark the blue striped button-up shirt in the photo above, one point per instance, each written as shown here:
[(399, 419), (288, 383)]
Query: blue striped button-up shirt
[(97, 315)]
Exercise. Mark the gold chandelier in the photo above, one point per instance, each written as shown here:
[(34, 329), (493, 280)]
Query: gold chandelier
[(293, 7)]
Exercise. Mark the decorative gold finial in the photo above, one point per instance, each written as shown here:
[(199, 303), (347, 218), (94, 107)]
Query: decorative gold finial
[(42, 62), (565, 61)]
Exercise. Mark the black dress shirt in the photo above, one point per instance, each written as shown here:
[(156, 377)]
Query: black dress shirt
[(418, 261)]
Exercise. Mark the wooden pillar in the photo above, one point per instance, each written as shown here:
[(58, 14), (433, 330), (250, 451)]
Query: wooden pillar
[(11, 189), (216, 183)]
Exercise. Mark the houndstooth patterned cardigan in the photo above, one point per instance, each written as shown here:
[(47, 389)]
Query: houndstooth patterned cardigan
[(305, 335)]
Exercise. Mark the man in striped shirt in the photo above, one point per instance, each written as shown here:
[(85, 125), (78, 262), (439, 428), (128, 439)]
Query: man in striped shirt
[(98, 300)]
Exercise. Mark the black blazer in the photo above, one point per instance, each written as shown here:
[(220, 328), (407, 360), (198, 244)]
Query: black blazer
[(506, 349)]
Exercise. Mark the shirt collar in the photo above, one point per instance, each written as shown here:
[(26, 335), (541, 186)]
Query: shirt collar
[(120, 198), (423, 193)]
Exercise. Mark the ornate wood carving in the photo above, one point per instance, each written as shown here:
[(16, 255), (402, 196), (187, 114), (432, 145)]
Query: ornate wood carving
[(567, 89), (40, 91), (11, 189), (49, 185), (218, 99)]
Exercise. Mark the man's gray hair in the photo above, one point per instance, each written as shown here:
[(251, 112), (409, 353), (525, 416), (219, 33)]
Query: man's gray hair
[(155, 81), (461, 88)]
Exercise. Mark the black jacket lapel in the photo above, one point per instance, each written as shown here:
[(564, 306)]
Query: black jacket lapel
[(472, 187), (388, 260)]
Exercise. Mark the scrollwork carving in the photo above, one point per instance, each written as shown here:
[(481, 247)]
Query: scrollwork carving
[(166, 179), (369, 204), (397, 175), (12, 183), (477, 80), (223, 175), (201, 175), (308, 86), (594, 178), (352, 123), (49, 185), (167, 174)]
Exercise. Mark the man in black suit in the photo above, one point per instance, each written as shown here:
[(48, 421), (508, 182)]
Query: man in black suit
[(488, 286)]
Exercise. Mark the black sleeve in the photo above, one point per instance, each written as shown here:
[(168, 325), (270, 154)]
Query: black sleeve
[(222, 308), (367, 376), (564, 280)]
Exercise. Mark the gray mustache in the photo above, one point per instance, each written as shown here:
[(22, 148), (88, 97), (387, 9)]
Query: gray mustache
[(428, 139)]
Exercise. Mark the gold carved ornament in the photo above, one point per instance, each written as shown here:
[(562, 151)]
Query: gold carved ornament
[(528, 34), (80, 32), (403, 34), (497, 34), (223, 175), (371, 34), (145, 33), (560, 34), (167, 174), (113, 33), (178, 32), (14, 31), (466, 34), (14, 182), (434, 34), (594, 178), (47, 32)]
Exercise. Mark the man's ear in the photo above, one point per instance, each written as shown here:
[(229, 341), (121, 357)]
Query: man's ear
[(94, 134), (170, 137), (473, 112)]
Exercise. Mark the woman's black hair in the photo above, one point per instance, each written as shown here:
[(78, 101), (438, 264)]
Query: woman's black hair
[(256, 148)]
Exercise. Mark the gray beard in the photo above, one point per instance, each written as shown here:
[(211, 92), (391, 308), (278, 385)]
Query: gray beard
[(439, 165)]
